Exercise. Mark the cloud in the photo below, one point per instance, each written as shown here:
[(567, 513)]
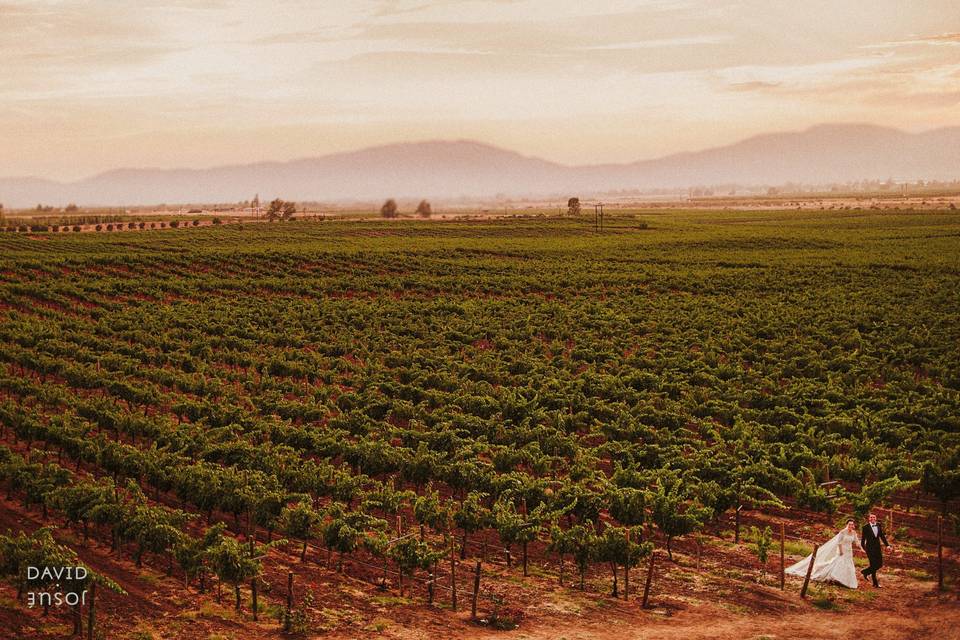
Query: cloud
[(657, 43), (953, 38), (328, 34), (938, 40), (754, 85), (797, 76), (917, 100)]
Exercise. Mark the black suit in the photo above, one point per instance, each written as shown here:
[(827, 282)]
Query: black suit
[(871, 544)]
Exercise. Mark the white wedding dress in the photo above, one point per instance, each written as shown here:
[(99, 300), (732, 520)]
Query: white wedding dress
[(834, 561)]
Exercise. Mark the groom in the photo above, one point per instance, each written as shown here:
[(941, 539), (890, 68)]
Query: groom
[(870, 538)]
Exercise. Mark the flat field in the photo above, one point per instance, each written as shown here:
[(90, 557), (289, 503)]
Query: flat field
[(391, 398)]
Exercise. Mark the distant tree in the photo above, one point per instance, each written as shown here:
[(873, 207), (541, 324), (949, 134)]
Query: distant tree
[(573, 206), (389, 209), (273, 211), (71, 208), (424, 210), (281, 209)]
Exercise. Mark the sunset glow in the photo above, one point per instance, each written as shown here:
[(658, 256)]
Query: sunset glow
[(89, 86)]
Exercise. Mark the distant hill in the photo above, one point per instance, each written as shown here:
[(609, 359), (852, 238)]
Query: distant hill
[(449, 169)]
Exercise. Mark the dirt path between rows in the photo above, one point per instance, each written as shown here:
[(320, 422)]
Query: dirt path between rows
[(904, 610)]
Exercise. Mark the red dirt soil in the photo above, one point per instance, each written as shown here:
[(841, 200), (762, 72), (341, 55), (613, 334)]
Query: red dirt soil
[(724, 601)]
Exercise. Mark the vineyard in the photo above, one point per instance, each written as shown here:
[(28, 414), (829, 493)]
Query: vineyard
[(424, 424)]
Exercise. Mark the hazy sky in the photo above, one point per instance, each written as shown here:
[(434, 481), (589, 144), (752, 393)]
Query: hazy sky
[(97, 84)]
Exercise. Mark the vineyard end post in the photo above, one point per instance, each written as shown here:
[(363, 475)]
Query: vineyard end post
[(476, 593), (453, 578), (736, 525), (783, 575), (253, 598), (90, 611), (806, 579), (626, 571), (286, 615), (646, 587), (940, 553)]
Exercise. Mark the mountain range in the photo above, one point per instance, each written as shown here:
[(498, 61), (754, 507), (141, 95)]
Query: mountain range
[(830, 153)]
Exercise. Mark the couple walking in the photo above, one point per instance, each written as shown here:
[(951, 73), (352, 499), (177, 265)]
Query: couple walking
[(835, 558)]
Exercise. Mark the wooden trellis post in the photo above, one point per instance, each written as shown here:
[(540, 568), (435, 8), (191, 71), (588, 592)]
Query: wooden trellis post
[(453, 577), (253, 598), (626, 571), (646, 587), (783, 570), (940, 553), (476, 592), (806, 579), (286, 615), (90, 611)]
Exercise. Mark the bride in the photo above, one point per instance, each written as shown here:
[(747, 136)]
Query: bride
[(834, 559)]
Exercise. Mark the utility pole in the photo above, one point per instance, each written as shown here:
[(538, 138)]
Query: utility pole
[(598, 216)]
